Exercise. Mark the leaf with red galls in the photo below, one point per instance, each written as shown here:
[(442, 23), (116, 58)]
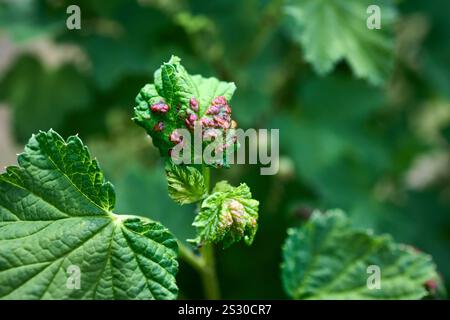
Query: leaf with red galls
[(179, 100)]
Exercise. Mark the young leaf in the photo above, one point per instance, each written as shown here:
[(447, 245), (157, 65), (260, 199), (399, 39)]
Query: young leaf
[(330, 31), (178, 100), (185, 184), (60, 240), (328, 259), (227, 215)]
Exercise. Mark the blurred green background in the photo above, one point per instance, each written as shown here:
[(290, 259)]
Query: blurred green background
[(377, 149)]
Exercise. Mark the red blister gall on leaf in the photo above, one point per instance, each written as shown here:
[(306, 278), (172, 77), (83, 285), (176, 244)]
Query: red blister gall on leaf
[(221, 122), (193, 103), (175, 137), (178, 100), (221, 100), (190, 120), (159, 107), (213, 110), (228, 215), (207, 122)]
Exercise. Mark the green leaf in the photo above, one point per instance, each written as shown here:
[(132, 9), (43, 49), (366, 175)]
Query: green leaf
[(209, 88), (137, 182), (176, 91), (55, 215), (330, 31), (328, 259), (227, 215), (185, 184)]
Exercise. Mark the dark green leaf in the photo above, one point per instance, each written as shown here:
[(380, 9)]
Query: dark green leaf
[(328, 259), (56, 215)]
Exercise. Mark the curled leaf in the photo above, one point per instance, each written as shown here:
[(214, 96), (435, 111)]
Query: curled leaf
[(178, 100), (227, 215)]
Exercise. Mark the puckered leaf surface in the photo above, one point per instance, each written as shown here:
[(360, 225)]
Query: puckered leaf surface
[(227, 215), (56, 217), (177, 100), (328, 259)]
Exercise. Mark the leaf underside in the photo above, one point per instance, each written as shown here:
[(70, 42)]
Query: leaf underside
[(327, 259), (55, 217)]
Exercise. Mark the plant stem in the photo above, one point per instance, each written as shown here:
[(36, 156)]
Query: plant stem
[(204, 263), (196, 261), (208, 274), (206, 176)]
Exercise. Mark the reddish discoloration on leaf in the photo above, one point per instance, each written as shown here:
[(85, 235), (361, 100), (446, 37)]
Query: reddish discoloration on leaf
[(190, 120), (220, 100), (160, 107), (158, 127), (175, 137), (178, 100), (193, 103), (431, 285)]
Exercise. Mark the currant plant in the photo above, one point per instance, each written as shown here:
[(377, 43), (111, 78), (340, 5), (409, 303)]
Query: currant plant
[(177, 100), (57, 215), (56, 208)]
